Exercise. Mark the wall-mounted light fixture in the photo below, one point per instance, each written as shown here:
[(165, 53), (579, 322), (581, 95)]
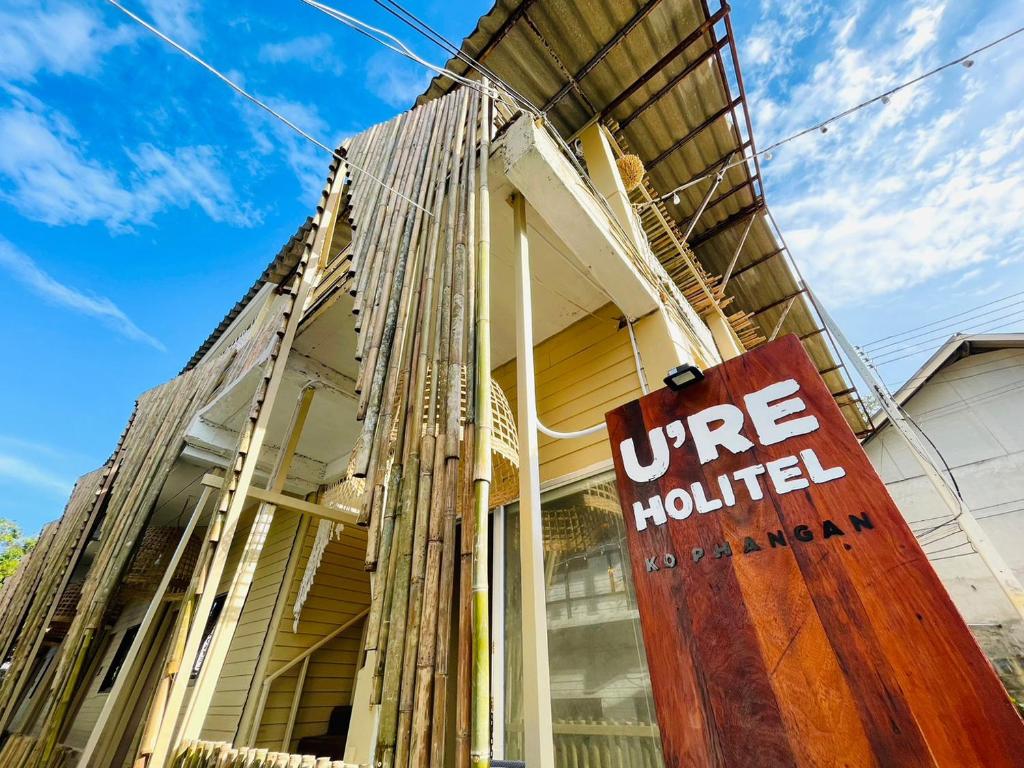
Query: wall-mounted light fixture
[(683, 376)]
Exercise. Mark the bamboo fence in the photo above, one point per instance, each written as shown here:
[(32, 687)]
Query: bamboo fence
[(31, 595), (117, 500)]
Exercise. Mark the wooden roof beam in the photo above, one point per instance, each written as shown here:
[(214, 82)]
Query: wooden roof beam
[(598, 57), (690, 68), (724, 224), (758, 262), (778, 302), (845, 393), (681, 46), (679, 143)]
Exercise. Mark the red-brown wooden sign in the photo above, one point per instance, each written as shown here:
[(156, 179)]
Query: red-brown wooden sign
[(789, 615)]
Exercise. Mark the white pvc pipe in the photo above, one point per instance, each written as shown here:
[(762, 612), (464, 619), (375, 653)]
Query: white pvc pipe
[(568, 435)]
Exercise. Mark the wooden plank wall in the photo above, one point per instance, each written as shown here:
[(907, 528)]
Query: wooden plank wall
[(240, 664), (341, 590), (582, 372)]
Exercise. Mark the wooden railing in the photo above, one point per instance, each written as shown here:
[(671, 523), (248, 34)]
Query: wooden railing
[(200, 754), (606, 744), (303, 660)]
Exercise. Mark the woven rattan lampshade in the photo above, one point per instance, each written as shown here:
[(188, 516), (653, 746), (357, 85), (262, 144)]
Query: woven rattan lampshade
[(504, 444), (504, 450)]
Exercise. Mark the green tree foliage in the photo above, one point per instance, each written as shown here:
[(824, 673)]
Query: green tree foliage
[(13, 547)]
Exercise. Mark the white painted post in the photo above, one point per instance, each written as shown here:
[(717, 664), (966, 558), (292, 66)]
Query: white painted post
[(538, 735), (1002, 573)]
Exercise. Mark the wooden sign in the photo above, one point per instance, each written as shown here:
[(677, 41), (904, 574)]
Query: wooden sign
[(790, 617)]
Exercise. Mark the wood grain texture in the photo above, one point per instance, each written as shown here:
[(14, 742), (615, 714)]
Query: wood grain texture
[(841, 650)]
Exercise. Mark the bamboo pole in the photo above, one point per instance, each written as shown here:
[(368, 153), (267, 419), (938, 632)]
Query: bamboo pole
[(435, 662), (395, 651), (481, 709)]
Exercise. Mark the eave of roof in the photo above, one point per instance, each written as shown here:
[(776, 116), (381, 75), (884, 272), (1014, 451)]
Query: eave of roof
[(658, 73), (282, 265), (957, 347)]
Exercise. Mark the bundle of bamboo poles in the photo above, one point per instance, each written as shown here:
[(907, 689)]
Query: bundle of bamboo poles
[(415, 280), (22, 751), (142, 462), (30, 596), (205, 754), (29, 593)]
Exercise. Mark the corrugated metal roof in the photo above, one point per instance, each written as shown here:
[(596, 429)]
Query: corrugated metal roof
[(662, 74)]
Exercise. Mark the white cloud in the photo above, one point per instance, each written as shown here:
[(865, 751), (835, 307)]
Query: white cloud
[(924, 187), (54, 37), (178, 19), (783, 25), (394, 81), (308, 162), (315, 51), (46, 176), (24, 472), (23, 269)]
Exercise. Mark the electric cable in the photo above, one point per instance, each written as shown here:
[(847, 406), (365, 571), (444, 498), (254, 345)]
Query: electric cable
[(823, 125), (396, 45), (262, 105), (412, 20), (929, 344), (940, 321)]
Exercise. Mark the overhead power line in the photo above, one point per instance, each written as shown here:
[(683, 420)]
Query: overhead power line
[(929, 344), (393, 43), (416, 23), (822, 126), (940, 321), (943, 326), (262, 105)]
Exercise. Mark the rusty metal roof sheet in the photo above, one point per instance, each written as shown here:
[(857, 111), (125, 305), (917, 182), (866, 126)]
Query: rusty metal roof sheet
[(664, 76)]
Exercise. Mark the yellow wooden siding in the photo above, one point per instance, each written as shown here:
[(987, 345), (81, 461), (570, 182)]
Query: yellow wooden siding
[(582, 373), (89, 712), (341, 590), (232, 689)]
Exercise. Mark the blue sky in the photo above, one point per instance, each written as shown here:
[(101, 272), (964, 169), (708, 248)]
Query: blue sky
[(139, 197)]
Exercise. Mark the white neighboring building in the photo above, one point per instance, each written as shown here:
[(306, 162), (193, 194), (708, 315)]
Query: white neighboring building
[(968, 400)]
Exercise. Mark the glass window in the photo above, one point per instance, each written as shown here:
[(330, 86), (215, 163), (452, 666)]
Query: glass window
[(601, 700), (119, 656), (211, 624)]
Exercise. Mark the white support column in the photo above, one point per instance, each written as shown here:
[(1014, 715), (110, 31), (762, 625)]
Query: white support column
[(604, 173), (206, 683), (538, 735)]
